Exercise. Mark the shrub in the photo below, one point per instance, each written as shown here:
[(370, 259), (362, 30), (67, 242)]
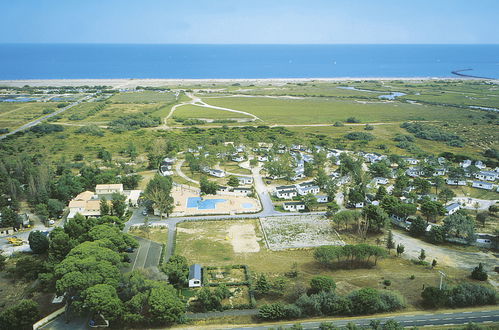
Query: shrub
[(359, 136), (275, 311), (427, 132), (322, 283), (352, 120), (387, 282), (90, 130), (479, 274)]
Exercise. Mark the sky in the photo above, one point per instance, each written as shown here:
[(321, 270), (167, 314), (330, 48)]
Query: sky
[(250, 22)]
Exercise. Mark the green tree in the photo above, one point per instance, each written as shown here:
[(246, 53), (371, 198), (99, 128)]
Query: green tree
[(432, 209), (390, 243), (422, 255), (380, 193), (42, 211), (322, 284), (479, 273), (310, 201), (332, 208), (436, 235), (418, 227), (60, 244), (434, 297), (38, 242), (446, 194), (177, 270), (482, 218), (55, 207), (104, 207), (262, 285), (164, 304), (79, 226), (376, 216), (102, 298), (20, 316), (118, 205), (207, 187), (115, 239), (158, 192), (400, 249), (9, 217), (321, 178), (233, 181), (208, 300), (460, 225)]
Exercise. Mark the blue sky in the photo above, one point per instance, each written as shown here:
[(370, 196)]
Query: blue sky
[(253, 21)]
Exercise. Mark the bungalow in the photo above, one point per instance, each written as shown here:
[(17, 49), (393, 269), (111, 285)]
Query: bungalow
[(465, 163), (194, 276), (286, 194), (294, 206), (485, 239), (412, 161), (441, 160), (238, 158), (245, 180), (372, 158), (307, 158), (482, 185), (105, 190), (240, 148), (456, 182), (440, 172), (486, 175), (166, 166), (304, 190), (242, 191), (479, 164), (299, 173), (262, 158), (321, 198), (414, 172), (223, 189), (217, 173), (452, 208), (380, 180), (281, 150)]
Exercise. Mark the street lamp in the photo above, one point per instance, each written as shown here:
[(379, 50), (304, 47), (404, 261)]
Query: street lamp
[(442, 275)]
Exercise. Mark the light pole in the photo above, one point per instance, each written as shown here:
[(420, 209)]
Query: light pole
[(442, 275)]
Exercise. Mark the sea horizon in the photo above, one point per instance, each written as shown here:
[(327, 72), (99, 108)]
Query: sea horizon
[(31, 61)]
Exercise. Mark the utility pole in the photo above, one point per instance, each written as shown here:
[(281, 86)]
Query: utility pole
[(442, 275)]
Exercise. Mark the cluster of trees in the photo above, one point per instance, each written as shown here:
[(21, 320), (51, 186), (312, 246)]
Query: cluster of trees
[(325, 302), (20, 316), (93, 130), (158, 195), (44, 128), (211, 299), (427, 132), (133, 122), (461, 295), (207, 187), (359, 136), (349, 256)]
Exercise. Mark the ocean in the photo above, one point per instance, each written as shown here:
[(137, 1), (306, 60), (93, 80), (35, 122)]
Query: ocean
[(105, 61)]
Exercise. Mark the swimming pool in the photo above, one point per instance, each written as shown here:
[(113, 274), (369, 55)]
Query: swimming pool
[(246, 205), (205, 204)]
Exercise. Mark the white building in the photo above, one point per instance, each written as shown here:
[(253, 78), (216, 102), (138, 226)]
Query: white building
[(465, 163), (304, 190), (286, 193), (242, 191), (195, 276), (482, 185), (321, 198), (217, 173), (294, 206), (380, 180), (456, 182), (243, 180), (486, 175), (452, 208), (412, 161)]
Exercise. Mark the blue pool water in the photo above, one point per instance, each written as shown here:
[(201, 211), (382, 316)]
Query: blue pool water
[(205, 204), (246, 205)]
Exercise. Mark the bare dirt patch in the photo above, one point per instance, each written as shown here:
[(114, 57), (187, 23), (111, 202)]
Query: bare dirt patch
[(243, 238)]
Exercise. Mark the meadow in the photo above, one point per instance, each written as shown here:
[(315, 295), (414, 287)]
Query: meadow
[(143, 97), (194, 111), (15, 114)]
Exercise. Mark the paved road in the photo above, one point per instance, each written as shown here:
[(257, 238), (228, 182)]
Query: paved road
[(417, 320), (39, 120)]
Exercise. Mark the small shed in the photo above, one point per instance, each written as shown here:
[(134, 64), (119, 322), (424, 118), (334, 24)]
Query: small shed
[(195, 276)]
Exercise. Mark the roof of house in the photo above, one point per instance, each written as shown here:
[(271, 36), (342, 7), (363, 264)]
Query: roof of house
[(284, 187), (294, 203), (286, 191), (481, 182), (242, 188), (195, 272), (452, 206)]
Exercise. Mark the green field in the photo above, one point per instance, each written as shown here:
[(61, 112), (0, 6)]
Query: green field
[(193, 111), (143, 97), (15, 114), (330, 110)]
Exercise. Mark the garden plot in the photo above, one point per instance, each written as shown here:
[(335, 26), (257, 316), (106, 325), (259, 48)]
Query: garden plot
[(298, 232)]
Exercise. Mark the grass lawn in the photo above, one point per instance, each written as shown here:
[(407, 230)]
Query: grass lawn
[(158, 235), (208, 243), (474, 192), (194, 111), (330, 110), (144, 97)]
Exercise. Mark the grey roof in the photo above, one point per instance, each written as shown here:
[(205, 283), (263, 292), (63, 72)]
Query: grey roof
[(452, 206), (195, 272), (294, 203)]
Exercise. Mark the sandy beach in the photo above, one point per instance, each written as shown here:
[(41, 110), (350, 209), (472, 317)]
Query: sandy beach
[(132, 83)]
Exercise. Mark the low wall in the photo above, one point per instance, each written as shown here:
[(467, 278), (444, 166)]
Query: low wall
[(49, 318)]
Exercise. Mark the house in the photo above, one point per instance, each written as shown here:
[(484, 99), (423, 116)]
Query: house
[(372, 158), (359, 205), (294, 206), (479, 164), (441, 160), (286, 193), (455, 182), (223, 189), (217, 173), (414, 172), (321, 198), (380, 180), (485, 239), (86, 203), (245, 180), (106, 190), (452, 208), (465, 163), (486, 175), (299, 173), (242, 191), (262, 158), (166, 166), (6, 231), (412, 161), (307, 158), (194, 276), (440, 172), (304, 190), (482, 185), (238, 158)]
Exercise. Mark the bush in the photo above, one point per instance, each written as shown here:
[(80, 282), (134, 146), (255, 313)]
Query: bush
[(38, 242), (479, 274), (387, 282), (44, 128), (352, 120), (275, 311), (322, 284), (427, 132), (360, 136), (462, 295), (20, 316), (90, 130)]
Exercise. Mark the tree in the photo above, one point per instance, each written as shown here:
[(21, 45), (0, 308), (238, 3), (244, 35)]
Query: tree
[(164, 304), (422, 255), (177, 270), (114, 238), (434, 297), (262, 286), (9, 217), (436, 235), (321, 178), (418, 227), (2, 261), (332, 208), (422, 186), (104, 207), (131, 181), (390, 244), (55, 207), (376, 216), (42, 211), (446, 194), (438, 182), (482, 218), (310, 201), (38, 242), (274, 311), (400, 249), (479, 273), (158, 192), (380, 193), (233, 181), (433, 263), (494, 208), (460, 225), (322, 284), (20, 316), (432, 209), (102, 298), (60, 244), (79, 226), (207, 187), (208, 300), (118, 205)]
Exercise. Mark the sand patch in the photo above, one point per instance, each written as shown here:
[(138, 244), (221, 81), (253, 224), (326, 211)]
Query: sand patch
[(344, 288), (188, 230), (243, 238)]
